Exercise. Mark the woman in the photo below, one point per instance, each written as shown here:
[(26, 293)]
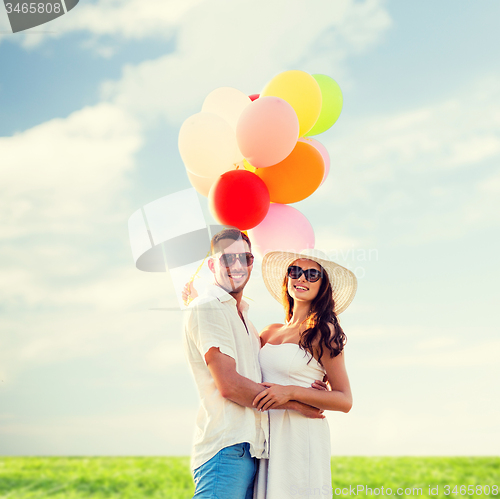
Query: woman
[(313, 290)]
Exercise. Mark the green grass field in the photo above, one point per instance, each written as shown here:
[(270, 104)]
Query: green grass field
[(169, 477)]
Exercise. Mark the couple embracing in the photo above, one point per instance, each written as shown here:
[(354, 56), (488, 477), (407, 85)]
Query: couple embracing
[(260, 431)]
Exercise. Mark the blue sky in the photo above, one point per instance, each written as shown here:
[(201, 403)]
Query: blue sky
[(89, 118)]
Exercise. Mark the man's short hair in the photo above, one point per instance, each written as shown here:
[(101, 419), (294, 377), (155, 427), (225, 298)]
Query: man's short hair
[(233, 234)]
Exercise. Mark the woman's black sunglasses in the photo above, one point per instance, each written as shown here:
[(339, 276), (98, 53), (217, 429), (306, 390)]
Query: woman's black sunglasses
[(228, 259), (312, 275)]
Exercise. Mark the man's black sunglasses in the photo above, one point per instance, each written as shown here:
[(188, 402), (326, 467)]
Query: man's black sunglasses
[(312, 275), (228, 259)]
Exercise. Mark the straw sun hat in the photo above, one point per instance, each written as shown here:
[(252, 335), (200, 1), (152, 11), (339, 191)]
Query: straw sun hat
[(343, 281)]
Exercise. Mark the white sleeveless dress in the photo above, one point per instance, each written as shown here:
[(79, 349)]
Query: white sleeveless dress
[(299, 447)]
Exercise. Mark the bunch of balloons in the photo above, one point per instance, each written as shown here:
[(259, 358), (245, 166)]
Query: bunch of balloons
[(252, 155)]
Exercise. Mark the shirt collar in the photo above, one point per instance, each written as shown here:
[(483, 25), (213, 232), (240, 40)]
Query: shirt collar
[(222, 295)]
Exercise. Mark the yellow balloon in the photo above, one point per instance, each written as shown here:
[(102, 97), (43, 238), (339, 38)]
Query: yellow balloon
[(302, 92), (248, 166)]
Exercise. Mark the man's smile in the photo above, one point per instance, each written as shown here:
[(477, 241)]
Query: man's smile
[(237, 276)]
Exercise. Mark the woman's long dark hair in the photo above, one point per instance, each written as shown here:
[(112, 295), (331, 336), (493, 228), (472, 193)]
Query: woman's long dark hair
[(320, 320)]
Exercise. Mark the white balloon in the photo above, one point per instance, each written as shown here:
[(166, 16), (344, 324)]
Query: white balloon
[(201, 184), (226, 102), (207, 144)]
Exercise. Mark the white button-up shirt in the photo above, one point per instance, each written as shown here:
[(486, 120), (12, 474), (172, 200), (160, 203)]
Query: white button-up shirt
[(212, 320)]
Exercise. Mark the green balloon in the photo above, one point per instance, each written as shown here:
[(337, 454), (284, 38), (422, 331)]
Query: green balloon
[(331, 106)]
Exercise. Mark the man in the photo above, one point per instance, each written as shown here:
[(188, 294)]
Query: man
[(222, 347)]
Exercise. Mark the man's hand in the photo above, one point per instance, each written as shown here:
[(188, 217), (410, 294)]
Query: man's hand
[(189, 293), (243, 391), (319, 385)]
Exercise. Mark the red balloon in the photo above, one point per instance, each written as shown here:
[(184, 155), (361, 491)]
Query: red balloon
[(239, 198), (254, 96)]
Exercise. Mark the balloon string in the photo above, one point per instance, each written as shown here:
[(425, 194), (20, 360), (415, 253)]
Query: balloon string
[(194, 276)]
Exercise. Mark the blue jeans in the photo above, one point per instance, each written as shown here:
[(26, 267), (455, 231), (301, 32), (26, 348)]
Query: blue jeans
[(228, 475)]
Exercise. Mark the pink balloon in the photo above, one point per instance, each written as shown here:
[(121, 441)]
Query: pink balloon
[(322, 150), (267, 131), (285, 228)]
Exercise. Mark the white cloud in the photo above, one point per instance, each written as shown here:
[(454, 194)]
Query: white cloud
[(61, 188), (166, 354), (426, 381), (419, 141), (126, 19), (490, 185), (460, 131), (292, 22), (474, 150), (248, 48), (425, 172), (134, 19), (63, 176), (84, 327), (112, 289)]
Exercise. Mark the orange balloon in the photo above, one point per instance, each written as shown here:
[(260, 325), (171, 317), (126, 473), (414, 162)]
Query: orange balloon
[(296, 177)]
